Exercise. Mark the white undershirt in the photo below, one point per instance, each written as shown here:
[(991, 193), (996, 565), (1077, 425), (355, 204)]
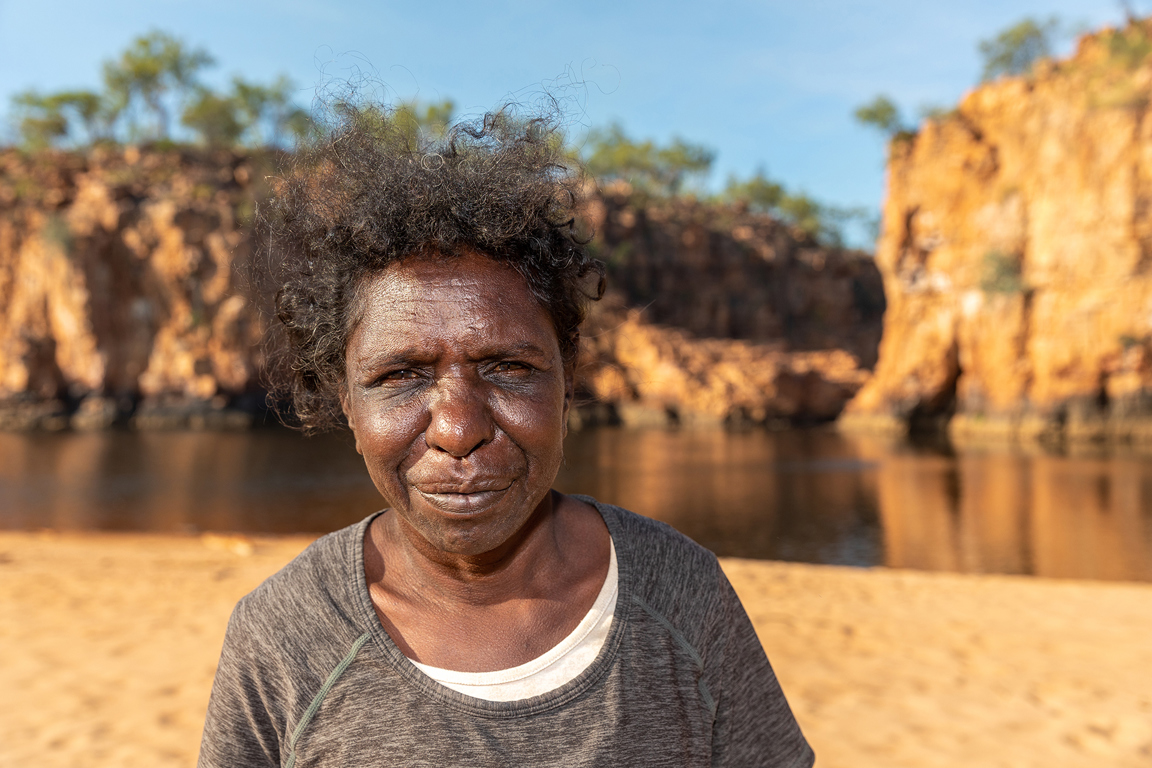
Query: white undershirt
[(561, 665)]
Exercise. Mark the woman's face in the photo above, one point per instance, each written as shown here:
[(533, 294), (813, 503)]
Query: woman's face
[(458, 397)]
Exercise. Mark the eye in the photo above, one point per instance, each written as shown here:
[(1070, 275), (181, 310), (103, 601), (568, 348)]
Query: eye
[(403, 374), (509, 365), (406, 373)]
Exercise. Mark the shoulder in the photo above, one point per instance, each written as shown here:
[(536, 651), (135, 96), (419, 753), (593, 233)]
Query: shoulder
[(664, 570), (283, 641), (308, 604), (657, 549)]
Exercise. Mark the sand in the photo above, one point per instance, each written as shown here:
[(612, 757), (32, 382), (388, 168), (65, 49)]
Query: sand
[(108, 645)]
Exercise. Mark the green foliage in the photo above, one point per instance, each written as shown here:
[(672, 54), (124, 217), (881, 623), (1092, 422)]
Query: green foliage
[(408, 122), (251, 115), (881, 113), (1016, 49), (268, 114), (46, 119), (648, 167), (56, 231), (155, 78), (427, 121), (1001, 273), (154, 66), (1128, 48), (1127, 341), (214, 119), (40, 119), (663, 171), (823, 223), (759, 192)]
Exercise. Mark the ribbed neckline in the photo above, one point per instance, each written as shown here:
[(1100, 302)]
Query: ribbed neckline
[(604, 603), (362, 600)]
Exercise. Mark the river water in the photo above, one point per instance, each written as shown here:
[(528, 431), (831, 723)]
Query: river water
[(805, 495)]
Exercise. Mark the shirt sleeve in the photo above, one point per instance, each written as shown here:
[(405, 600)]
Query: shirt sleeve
[(239, 729), (754, 725)]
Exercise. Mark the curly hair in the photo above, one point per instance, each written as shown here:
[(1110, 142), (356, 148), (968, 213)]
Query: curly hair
[(368, 194)]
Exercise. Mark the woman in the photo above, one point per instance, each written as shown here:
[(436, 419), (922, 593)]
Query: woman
[(434, 303)]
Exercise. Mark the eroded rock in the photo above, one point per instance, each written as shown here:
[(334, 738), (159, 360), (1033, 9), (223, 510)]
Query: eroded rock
[(124, 301), (1016, 254)]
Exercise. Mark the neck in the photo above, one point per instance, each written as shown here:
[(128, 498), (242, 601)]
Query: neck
[(418, 571)]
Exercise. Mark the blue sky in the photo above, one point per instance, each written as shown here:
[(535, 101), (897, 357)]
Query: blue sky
[(765, 84)]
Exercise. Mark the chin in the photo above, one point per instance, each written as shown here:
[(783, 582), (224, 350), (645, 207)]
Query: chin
[(469, 543)]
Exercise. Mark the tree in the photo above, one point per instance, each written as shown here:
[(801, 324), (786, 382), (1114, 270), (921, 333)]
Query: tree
[(411, 122), (1016, 49), (759, 192), (90, 110), (214, 119), (823, 223), (158, 74), (662, 170), (39, 118), (155, 67), (428, 121), (44, 120), (881, 113), (268, 113), (251, 115)]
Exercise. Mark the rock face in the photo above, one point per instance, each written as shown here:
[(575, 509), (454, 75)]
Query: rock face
[(717, 315), (722, 272), (119, 289), (1016, 254), (650, 374), (123, 299)]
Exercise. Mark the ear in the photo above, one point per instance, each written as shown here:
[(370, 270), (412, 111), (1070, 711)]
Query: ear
[(347, 409)]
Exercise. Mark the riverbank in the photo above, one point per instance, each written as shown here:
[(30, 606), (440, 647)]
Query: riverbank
[(109, 643)]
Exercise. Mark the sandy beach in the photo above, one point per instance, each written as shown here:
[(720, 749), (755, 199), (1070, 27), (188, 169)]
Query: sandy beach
[(108, 645)]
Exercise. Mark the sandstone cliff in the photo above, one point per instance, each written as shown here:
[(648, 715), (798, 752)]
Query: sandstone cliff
[(1016, 254), (123, 300), (721, 272), (718, 315), (119, 287)]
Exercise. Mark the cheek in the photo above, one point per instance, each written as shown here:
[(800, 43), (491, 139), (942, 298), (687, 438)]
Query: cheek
[(537, 422), (391, 438)]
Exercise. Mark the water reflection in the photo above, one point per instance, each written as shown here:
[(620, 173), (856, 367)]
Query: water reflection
[(269, 481), (811, 496), (998, 511), (786, 496)]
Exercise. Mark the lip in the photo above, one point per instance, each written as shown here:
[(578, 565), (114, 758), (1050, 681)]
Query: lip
[(474, 485), (469, 499)]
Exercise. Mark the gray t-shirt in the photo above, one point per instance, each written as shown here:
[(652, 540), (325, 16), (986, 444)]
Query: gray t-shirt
[(309, 678)]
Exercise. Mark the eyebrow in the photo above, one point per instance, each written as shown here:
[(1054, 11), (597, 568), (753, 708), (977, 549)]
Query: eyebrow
[(523, 348), (415, 355)]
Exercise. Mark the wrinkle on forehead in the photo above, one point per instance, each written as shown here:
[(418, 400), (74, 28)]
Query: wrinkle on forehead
[(394, 276), (428, 295)]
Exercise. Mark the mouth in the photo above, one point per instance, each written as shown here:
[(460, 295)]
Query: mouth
[(463, 499)]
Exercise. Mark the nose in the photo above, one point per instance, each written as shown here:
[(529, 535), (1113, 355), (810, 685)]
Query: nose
[(460, 420)]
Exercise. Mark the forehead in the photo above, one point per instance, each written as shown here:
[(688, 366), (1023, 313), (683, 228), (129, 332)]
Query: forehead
[(467, 297)]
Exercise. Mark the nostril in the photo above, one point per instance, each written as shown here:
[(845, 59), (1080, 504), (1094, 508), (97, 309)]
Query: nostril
[(459, 441), (459, 428)]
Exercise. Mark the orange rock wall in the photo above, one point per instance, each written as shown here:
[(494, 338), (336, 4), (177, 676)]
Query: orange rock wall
[(120, 280), (1016, 254), (653, 374), (123, 298), (722, 272)]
